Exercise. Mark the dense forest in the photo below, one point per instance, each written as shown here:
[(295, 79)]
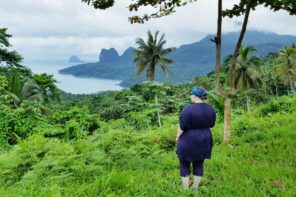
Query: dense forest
[(123, 142)]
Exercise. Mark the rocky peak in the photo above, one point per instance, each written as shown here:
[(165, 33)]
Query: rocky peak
[(107, 55), (74, 59)]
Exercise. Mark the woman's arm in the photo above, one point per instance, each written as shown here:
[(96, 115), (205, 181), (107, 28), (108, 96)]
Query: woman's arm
[(183, 123), (179, 133)]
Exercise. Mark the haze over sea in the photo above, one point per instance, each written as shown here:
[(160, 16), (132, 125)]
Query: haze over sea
[(71, 84)]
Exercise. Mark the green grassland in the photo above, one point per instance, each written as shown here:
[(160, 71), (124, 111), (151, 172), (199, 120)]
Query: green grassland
[(118, 159)]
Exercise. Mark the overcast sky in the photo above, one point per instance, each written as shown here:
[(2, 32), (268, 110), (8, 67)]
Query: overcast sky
[(53, 30)]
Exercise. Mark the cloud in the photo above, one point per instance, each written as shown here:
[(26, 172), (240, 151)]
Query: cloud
[(57, 29)]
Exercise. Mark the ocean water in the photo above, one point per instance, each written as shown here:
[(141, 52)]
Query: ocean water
[(71, 84)]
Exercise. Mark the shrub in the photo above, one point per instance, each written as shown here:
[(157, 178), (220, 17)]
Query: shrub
[(142, 120), (86, 121), (19, 123), (283, 104)]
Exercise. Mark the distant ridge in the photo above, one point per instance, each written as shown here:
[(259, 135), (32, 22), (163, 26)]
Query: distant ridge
[(195, 59)]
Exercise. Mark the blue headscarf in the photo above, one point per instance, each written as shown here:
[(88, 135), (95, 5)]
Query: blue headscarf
[(199, 92)]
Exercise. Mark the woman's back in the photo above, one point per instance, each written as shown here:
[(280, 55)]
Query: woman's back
[(194, 136), (197, 116)]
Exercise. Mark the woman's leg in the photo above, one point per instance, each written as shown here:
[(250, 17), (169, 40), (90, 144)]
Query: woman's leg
[(197, 172), (185, 173)]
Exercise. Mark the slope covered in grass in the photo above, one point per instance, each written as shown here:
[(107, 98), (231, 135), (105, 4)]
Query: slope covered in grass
[(118, 160)]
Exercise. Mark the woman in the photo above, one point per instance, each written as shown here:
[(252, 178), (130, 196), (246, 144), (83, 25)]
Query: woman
[(194, 136)]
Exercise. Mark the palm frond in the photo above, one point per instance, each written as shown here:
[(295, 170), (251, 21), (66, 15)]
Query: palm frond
[(164, 68), (151, 54), (36, 97), (168, 51), (15, 84), (29, 89)]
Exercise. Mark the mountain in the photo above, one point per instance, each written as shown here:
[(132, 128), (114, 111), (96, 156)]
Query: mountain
[(74, 59), (195, 59), (108, 55)]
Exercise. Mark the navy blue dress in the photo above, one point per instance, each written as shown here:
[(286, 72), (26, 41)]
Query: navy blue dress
[(196, 141)]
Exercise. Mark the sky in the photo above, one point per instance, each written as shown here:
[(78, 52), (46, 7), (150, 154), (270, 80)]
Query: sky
[(53, 30)]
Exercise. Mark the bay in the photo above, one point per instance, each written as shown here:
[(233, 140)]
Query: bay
[(71, 84)]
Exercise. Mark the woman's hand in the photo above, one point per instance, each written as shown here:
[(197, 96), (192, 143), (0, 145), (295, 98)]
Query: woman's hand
[(179, 133)]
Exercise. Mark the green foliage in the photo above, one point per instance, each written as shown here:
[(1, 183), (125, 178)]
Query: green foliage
[(205, 82), (65, 149), (4, 37), (30, 117), (22, 85), (23, 89), (19, 123), (79, 118), (112, 113), (4, 98), (283, 105), (272, 114), (100, 4), (11, 58), (163, 7), (151, 54), (246, 75), (118, 160), (287, 66), (142, 120), (218, 103), (275, 5), (170, 99), (3, 83), (148, 90), (73, 130), (46, 85), (50, 162)]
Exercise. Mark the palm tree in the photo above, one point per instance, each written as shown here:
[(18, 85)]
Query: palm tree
[(218, 103), (245, 74), (47, 86), (151, 54), (269, 81), (21, 89), (287, 67)]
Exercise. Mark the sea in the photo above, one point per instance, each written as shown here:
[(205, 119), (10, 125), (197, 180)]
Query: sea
[(72, 84)]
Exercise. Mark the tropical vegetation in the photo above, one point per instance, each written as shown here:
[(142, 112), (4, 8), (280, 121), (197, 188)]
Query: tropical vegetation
[(111, 144), (151, 54)]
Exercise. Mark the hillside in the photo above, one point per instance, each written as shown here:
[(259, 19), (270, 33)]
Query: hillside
[(118, 160), (196, 59), (122, 143)]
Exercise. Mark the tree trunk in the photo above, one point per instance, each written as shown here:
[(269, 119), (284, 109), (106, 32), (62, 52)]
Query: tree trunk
[(218, 43), (291, 84), (158, 114), (265, 92), (276, 90), (238, 45), (271, 92), (232, 92), (248, 104), (227, 118)]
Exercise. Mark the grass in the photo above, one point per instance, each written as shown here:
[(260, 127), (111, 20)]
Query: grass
[(260, 160)]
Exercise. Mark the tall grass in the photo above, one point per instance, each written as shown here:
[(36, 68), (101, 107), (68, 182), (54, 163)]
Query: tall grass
[(118, 160)]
